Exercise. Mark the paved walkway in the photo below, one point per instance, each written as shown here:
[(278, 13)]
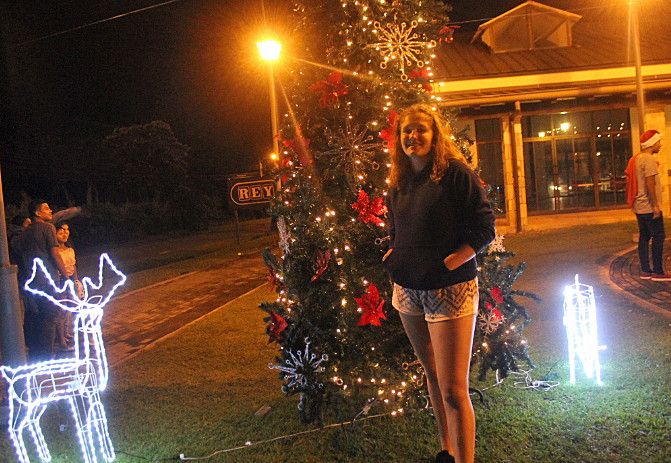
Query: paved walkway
[(135, 320), (625, 270)]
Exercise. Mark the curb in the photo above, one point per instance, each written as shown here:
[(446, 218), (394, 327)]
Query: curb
[(637, 301)]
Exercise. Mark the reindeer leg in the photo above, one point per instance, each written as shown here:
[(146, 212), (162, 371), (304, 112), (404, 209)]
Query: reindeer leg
[(16, 430), (99, 419), (36, 430), (77, 404)]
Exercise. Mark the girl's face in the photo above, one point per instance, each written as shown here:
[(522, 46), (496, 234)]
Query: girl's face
[(62, 234), (417, 134)]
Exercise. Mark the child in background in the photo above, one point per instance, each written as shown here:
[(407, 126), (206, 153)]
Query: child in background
[(65, 326)]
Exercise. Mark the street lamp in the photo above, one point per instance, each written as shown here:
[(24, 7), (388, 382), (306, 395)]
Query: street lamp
[(640, 99), (12, 341), (270, 51)]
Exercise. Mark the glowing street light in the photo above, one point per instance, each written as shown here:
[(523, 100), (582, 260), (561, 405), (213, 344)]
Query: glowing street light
[(270, 51)]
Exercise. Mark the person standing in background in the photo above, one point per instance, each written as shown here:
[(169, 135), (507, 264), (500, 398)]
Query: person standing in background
[(644, 194), (65, 326), (39, 241)]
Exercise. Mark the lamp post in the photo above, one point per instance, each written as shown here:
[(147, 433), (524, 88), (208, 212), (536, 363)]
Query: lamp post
[(12, 341), (640, 98), (270, 51)]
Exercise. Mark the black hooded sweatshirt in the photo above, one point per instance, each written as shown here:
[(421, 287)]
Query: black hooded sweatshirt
[(429, 220)]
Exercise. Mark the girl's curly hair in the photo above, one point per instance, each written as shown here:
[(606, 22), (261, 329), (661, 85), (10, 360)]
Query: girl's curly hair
[(443, 147)]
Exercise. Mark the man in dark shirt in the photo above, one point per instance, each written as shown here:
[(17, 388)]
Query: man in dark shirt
[(39, 241)]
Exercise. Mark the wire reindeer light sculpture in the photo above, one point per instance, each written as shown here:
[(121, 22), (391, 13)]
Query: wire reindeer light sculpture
[(77, 380)]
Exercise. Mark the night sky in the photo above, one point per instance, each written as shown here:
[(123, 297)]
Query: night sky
[(191, 63)]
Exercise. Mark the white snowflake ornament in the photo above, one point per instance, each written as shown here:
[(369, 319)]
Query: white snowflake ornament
[(399, 43), (351, 150), (299, 367), (489, 322)]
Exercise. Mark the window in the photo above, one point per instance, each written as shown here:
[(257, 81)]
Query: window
[(528, 26), (576, 160), (490, 160)]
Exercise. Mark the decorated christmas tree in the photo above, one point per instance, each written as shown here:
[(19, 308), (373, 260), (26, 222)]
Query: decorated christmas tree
[(339, 339)]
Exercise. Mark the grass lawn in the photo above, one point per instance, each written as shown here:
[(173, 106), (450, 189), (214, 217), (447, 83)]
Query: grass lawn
[(197, 392)]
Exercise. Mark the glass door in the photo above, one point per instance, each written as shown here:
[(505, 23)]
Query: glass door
[(565, 175), (613, 154), (575, 160), (539, 173), (559, 174), (575, 173)]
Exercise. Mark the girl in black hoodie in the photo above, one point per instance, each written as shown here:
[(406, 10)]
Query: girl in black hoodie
[(439, 218)]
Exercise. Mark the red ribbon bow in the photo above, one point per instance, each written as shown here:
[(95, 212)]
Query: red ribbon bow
[(423, 77), (447, 33), (388, 133), (274, 280), (299, 145), (323, 259)]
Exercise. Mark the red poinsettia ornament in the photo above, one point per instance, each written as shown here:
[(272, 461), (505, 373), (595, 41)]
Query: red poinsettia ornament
[(422, 77), (323, 259), (388, 133), (299, 145), (329, 89), (368, 209), (371, 307), (274, 280), (496, 294), (279, 324)]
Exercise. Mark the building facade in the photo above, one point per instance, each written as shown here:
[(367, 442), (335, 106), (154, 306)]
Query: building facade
[(547, 91)]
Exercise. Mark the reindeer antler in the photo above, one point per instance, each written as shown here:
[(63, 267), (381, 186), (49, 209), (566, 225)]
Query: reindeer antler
[(91, 290)]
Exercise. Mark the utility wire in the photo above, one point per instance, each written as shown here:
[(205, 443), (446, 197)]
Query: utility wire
[(84, 26), (101, 21)]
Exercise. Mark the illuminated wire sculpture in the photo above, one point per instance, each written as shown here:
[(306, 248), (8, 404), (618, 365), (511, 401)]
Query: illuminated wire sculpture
[(580, 322), (78, 380)]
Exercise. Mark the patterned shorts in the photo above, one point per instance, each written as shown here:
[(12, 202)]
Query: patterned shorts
[(456, 301)]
